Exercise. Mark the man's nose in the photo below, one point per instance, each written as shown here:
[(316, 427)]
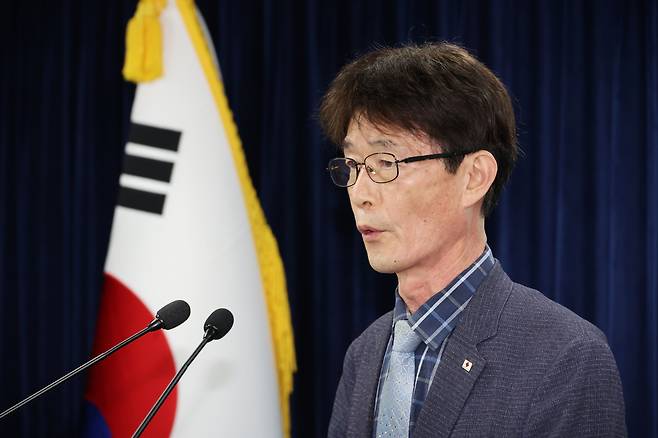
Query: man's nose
[(363, 192)]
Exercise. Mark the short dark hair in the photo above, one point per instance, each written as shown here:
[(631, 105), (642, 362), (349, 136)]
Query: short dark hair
[(439, 89)]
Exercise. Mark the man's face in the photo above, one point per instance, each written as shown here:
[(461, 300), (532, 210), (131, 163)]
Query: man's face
[(414, 220)]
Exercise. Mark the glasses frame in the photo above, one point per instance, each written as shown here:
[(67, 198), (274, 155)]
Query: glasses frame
[(396, 161)]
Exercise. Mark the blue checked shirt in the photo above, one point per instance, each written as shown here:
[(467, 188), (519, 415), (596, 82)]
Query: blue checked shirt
[(433, 322)]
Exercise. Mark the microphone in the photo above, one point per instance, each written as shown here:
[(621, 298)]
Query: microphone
[(170, 316), (216, 326)]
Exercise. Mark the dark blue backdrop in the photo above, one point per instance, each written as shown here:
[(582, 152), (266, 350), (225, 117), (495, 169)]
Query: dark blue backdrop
[(579, 220)]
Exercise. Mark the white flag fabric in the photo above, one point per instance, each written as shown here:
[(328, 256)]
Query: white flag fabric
[(188, 226)]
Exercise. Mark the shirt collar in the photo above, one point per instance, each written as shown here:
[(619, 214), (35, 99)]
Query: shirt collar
[(438, 316)]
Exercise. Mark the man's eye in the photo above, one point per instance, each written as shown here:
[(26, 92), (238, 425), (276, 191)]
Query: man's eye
[(385, 164), (351, 164)]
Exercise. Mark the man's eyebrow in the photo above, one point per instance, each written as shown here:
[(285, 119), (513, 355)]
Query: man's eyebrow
[(382, 142)]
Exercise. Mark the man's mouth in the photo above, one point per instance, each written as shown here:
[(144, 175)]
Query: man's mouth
[(369, 233)]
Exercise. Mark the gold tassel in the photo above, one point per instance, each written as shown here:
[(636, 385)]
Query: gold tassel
[(144, 43)]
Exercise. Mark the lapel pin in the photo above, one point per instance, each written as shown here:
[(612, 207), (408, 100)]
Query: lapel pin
[(467, 365)]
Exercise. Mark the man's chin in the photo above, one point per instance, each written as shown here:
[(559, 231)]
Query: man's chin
[(383, 266)]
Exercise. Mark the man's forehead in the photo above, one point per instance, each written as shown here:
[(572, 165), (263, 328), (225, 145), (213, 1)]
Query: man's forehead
[(363, 133), (362, 130)]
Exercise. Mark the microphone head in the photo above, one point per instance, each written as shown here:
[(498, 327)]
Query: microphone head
[(218, 324), (173, 314)]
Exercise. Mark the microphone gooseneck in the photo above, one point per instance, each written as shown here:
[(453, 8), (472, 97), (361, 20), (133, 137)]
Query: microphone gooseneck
[(170, 316), (216, 326)]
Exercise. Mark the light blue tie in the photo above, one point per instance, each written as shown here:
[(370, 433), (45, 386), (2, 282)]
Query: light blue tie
[(397, 389)]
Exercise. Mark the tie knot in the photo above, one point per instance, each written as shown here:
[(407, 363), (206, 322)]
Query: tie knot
[(405, 340)]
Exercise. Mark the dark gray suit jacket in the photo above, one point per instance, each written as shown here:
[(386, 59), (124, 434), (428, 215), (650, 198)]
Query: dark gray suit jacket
[(538, 370)]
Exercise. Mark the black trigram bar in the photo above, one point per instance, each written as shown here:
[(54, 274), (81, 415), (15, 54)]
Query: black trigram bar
[(147, 168), (153, 136), (141, 200)]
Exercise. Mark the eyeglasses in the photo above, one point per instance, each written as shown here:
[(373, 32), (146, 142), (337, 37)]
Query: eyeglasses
[(381, 167)]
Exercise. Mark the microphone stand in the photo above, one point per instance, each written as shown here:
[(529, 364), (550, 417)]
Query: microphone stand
[(207, 337), (154, 325)]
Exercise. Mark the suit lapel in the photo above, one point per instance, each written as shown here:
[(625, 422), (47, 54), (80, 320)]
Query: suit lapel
[(461, 363), (367, 378), (451, 387)]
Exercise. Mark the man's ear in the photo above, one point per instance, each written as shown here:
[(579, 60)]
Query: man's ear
[(481, 168)]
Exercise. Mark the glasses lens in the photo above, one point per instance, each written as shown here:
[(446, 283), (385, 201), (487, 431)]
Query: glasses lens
[(382, 167), (342, 171)]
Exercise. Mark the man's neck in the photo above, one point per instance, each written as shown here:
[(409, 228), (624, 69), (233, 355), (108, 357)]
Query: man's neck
[(420, 283)]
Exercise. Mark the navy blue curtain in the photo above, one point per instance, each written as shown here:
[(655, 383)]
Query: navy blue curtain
[(578, 221), (63, 107)]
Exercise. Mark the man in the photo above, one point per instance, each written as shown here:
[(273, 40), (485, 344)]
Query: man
[(429, 140)]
